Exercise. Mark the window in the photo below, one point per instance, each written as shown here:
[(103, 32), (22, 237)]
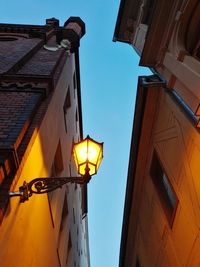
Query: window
[(164, 188), (58, 258), (137, 264), (67, 105), (77, 231), (69, 252), (74, 218), (70, 170), (76, 120), (74, 83), (63, 233), (58, 161), (64, 214), (56, 168)]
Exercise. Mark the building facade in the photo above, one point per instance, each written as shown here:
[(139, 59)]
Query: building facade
[(162, 206), (40, 118)]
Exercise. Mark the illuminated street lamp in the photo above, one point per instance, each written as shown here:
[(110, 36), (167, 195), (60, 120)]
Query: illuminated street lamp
[(87, 155)]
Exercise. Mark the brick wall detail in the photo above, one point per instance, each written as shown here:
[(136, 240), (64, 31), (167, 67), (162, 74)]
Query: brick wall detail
[(17, 110), (42, 63), (28, 72)]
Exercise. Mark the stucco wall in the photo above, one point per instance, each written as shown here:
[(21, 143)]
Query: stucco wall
[(177, 143), (28, 237)]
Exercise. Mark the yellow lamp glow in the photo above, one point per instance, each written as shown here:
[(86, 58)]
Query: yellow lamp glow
[(87, 155)]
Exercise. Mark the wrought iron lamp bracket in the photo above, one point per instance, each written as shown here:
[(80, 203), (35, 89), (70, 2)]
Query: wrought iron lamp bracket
[(45, 185), (86, 153)]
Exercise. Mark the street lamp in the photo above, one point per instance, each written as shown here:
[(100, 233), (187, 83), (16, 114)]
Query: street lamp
[(87, 155)]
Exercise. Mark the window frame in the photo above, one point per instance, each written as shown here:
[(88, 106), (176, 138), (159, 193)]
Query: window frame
[(74, 83), (162, 188), (66, 106)]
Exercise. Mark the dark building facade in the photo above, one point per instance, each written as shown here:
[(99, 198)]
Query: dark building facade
[(40, 118), (161, 214)]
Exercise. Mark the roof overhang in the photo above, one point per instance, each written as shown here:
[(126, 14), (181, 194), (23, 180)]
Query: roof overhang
[(127, 10)]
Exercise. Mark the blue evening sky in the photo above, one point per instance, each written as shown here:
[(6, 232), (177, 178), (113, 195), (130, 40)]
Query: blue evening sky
[(109, 73)]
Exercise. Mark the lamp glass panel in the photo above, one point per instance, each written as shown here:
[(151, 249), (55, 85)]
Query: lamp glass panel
[(93, 151), (80, 151), (99, 159), (90, 166), (82, 169), (92, 169)]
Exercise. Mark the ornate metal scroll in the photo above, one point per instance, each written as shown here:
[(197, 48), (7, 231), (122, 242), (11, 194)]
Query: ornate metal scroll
[(45, 185)]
